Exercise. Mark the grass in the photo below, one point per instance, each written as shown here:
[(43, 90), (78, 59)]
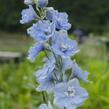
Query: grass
[(17, 81), (17, 89), (98, 89)]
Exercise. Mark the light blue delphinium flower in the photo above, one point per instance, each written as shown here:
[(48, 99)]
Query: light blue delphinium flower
[(42, 3), (64, 46), (60, 18), (35, 50), (42, 30), (46, 83), (28, 15), (79, 73), (28, 2), (69, 94), (48, 66), (45, 76), (49, 30), (45, 106)]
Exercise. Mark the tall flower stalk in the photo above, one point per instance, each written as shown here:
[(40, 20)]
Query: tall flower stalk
[(59, 75)]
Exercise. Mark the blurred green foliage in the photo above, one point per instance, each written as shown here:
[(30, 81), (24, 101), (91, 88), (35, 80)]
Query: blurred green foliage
[(99, 76), (85, 14), (17, 89)]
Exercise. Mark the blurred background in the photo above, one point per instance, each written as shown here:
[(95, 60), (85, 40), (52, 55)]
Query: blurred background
[(90, 27)]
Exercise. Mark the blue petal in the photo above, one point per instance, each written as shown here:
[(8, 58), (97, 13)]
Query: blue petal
[(34, 51), (60, 19), (28, 15), (42, 30), (77, 72), (64, 46), (45, 106), (74, 82)]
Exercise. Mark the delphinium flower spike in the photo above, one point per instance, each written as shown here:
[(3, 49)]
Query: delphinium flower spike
[(49, 30)]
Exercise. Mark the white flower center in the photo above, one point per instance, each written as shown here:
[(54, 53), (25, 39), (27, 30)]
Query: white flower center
[(71, 92), (64, 47)]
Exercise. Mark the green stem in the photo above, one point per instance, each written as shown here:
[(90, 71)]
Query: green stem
[(59, 66), (46, 54), (55, 75), (44, 95), (61, 74)]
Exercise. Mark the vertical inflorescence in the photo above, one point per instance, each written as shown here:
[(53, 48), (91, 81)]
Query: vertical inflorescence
[(59, 75)]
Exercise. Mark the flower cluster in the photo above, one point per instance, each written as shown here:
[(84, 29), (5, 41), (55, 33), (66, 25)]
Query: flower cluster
[(60, 74)]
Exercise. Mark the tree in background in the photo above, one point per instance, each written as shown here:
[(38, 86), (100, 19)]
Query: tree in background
[(85, 14)]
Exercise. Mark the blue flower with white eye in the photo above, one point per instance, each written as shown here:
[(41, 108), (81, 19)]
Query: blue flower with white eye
[(45, 106), (64, 46), (42, 3), (28, 15), (28, 2), (79, 73), (42, 30), (35, 50), (69, 94), (60, 18), (45, 76)]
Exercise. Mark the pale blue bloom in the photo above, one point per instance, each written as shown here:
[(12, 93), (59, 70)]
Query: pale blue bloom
[(46, 82), (52, 61), (47, 69), (69, 94), (64, 46), (42, 3), (79, 73), (42, 30), (28, 15), (65, 63), (28, 2), (45, 106), (35, 50), (45, 76), (50, 33), (60, 18)]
